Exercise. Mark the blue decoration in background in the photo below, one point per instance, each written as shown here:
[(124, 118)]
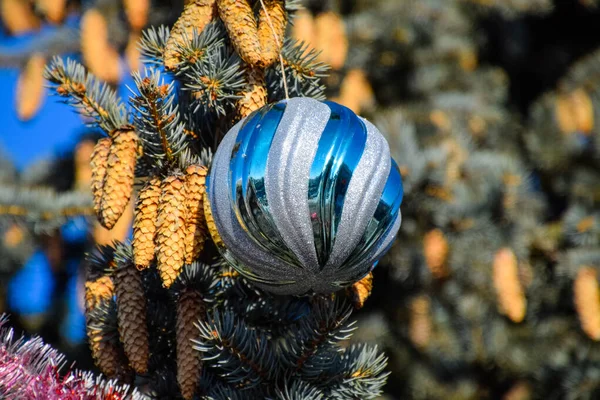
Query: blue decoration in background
[(30, 290), (305, 196)]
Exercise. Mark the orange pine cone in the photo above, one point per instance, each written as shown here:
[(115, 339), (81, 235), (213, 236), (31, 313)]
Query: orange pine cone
[(144, 226), (132, 52), (196, 231), (131, 316), (574, 112), (17, 16), (587, 301), (304, 28), (189, 309), (171, 232), (331, 39), (98, 290), (118, 183), (254, 95), (210, 223), (361, 290), (196, 15), (271, 42), (30, 87), (419, 329), (99, 56), (510, 295), (356, 92), (435, 250), (98, 162), (137, 13), (239, 20), (53, 10)]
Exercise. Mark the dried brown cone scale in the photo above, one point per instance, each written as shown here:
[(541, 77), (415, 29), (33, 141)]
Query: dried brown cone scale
[(189, 309), (361, 290), (587, 301), (196, 231), (131, 316), (118, 184), (435, 250), (509, 291), (99, 163), (254, 95), (196, 15), (171, 229), (210, 223), (271, 30), (239, 20), (144, 225), (30, 87)]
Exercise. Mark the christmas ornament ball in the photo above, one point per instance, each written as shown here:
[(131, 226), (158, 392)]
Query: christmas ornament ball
[(305, 197)]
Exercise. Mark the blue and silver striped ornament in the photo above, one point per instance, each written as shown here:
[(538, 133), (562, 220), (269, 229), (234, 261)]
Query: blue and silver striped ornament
[(305, 196)]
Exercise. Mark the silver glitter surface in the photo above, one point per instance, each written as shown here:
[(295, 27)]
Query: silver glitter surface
[(288, 171)]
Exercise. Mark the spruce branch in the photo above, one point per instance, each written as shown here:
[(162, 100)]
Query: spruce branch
[(241, 355), (303, 73), (152, 44), (44, 208), (156, 117), (90, 97), (298, 390)]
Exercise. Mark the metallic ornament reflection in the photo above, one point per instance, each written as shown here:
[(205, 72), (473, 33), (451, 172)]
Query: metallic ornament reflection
[(305, 196)]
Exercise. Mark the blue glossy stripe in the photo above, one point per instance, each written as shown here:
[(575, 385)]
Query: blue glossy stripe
[(338, 153), (248, 175), (386, 212)]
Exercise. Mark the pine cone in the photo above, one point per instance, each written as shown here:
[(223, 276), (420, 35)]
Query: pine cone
[(271, 42), (189, 308), (196, 15), (331, 39), (30, 87), (419, 328), (195, 185), (98, 290), (118, 184), (144, 227), (254, 95), (510, 295), (210, 223), (17, 16), (98, 162), (238, 17), (131, 313), (137, 13), (587, 301), (53, 10), (435, 250), (170, 234), (99, 56)]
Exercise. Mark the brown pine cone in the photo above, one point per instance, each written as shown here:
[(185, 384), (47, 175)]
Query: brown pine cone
[(419, 328), (144, 226), (17, 16), (53, 10), (170, 234), (587, 301), (98, 290), (196, 15), (189, 308), (435, 250), (509, 291), (210, 223), (98, 54), (131, 316), (196, 231), (118, 183), (254, 95), (98, 162), (269, 46), (238, 17)]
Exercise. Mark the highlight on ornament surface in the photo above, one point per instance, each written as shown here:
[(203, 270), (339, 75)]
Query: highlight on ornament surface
[(305, 196)]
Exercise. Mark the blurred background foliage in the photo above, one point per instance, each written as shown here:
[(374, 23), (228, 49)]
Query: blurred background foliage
[(490, 107)]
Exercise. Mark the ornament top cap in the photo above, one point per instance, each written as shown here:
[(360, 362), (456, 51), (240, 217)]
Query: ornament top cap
[(305, 196)]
